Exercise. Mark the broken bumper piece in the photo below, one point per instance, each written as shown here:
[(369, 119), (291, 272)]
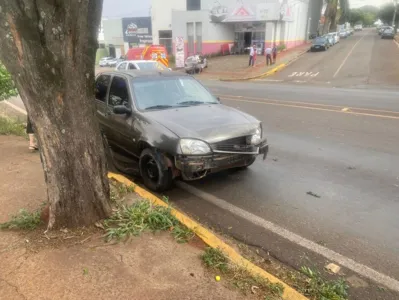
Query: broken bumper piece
[(193, 167)]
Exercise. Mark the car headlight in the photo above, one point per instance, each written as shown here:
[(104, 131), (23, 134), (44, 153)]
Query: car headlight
[(194, 147), (257, 137)]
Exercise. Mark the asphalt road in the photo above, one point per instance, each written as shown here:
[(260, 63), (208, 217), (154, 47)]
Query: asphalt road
[(334, 135), (361, 60)]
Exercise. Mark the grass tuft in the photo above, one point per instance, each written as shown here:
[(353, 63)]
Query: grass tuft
[(23, 220), (119, 190), (143, 216), (11, 127), (241, 278), (321, 289)]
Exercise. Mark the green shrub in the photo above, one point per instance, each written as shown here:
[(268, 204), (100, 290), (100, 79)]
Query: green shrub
[(7, 87)]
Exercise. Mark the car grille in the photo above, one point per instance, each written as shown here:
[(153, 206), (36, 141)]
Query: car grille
[(236, 145)]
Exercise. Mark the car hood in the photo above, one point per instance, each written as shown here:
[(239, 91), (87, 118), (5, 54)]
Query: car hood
[(211, 123)]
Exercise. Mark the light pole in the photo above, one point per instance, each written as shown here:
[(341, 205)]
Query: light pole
[(395, 3)]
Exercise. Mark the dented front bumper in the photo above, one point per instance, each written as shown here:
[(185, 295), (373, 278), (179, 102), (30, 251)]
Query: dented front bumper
[(193, 167)]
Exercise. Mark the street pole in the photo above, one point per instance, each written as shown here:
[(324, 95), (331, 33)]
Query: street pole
[(395, 3)]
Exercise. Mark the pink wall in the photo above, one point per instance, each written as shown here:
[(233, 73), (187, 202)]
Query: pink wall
[(207, 48), (289, 44)]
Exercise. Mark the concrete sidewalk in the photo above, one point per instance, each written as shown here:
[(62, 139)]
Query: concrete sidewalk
[(236, 66)]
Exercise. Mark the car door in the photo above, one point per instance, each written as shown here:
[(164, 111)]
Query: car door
[(101, 94), (119, 126)]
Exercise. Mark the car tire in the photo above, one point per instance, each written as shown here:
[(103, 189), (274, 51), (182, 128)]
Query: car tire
[(152, 172)]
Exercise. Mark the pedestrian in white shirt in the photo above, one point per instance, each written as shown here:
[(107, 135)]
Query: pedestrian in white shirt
[(268, 53)]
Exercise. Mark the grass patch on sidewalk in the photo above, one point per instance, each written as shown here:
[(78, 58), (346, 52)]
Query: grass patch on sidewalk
[(141, 216), (11, 127), (24, 220), (240, 278)]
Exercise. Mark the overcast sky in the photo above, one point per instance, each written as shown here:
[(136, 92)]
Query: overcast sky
[(359, 3), (141, 8), (126, 8)]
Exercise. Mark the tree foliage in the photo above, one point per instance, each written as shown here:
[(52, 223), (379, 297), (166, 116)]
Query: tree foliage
[(364, 15), (386, 13), (7, 87)]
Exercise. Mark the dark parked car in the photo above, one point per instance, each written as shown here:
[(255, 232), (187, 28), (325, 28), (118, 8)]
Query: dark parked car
[(169, 125), (388, 33), (320, 43)]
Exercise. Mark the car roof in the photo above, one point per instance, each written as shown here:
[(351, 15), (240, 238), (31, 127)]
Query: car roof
[(140, 61), (145, 74)]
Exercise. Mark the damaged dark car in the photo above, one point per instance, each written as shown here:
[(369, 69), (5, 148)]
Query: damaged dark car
[(167, 125)]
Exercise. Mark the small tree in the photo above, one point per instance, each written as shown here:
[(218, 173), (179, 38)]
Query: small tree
[(49, 47), (7, 87)]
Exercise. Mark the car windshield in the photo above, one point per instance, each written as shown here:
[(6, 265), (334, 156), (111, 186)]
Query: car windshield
[(319, 40), (151, 65), (163, 93)]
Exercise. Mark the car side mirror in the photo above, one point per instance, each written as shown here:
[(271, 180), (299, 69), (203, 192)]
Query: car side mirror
[(122, 110)]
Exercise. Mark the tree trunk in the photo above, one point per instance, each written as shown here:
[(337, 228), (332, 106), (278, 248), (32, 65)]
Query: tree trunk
[(49, 47), (330, 15)]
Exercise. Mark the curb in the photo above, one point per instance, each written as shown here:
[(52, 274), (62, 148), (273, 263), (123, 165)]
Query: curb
[(212, 240)]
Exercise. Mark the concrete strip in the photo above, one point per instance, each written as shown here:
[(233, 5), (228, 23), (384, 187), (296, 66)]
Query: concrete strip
[(212, 240), (331, 255), (22, 111)]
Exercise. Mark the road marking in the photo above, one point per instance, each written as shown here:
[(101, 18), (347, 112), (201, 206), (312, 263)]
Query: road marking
[(345, 109), (331, 255), (21, 110), (346, 58), (264, 100), (305, 74), (316, 108)]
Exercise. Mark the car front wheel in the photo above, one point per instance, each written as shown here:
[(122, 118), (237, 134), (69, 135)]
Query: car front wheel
[(154, 175)]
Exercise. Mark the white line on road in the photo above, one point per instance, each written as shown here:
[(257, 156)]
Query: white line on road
[(292, 237), (346, 58), (21, 110)]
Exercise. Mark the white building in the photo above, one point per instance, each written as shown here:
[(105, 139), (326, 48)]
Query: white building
[(207, 25)]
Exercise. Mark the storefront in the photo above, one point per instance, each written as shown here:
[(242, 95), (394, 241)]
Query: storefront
[(137, 32)]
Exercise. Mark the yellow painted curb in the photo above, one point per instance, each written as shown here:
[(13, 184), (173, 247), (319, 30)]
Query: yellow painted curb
[(212, 240)]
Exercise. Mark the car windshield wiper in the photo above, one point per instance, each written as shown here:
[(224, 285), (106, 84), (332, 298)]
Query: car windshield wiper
[(158, 107), (195, 103)]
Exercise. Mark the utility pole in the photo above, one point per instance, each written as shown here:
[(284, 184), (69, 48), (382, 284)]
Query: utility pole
[(395, 3)]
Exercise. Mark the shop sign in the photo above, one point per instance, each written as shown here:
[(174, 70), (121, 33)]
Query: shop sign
[(137, 30)]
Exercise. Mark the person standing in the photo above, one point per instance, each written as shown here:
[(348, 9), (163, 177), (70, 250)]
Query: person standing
[(268, 53), (32, 141), (251, 55), (254, 57), (274, 53)]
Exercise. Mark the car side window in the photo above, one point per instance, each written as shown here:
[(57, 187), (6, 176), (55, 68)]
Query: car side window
[(118, 94), (122, 66), (132, 67), (101, 88)]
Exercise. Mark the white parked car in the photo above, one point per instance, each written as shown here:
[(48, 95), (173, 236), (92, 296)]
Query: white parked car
[(108, 62), (335, 37), (141, 65)]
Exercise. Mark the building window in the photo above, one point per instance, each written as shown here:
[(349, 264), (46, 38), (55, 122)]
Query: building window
[(165, 39), (198, 36), (190, 38), (193, 4)]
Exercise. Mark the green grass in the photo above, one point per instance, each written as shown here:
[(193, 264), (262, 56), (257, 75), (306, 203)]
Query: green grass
[(320, 289), (119, 190), (11, 127), (143, 216), (23, 220), (239, 277)]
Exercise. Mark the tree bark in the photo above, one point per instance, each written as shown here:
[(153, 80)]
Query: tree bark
[(330, 16), (49, 47)]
